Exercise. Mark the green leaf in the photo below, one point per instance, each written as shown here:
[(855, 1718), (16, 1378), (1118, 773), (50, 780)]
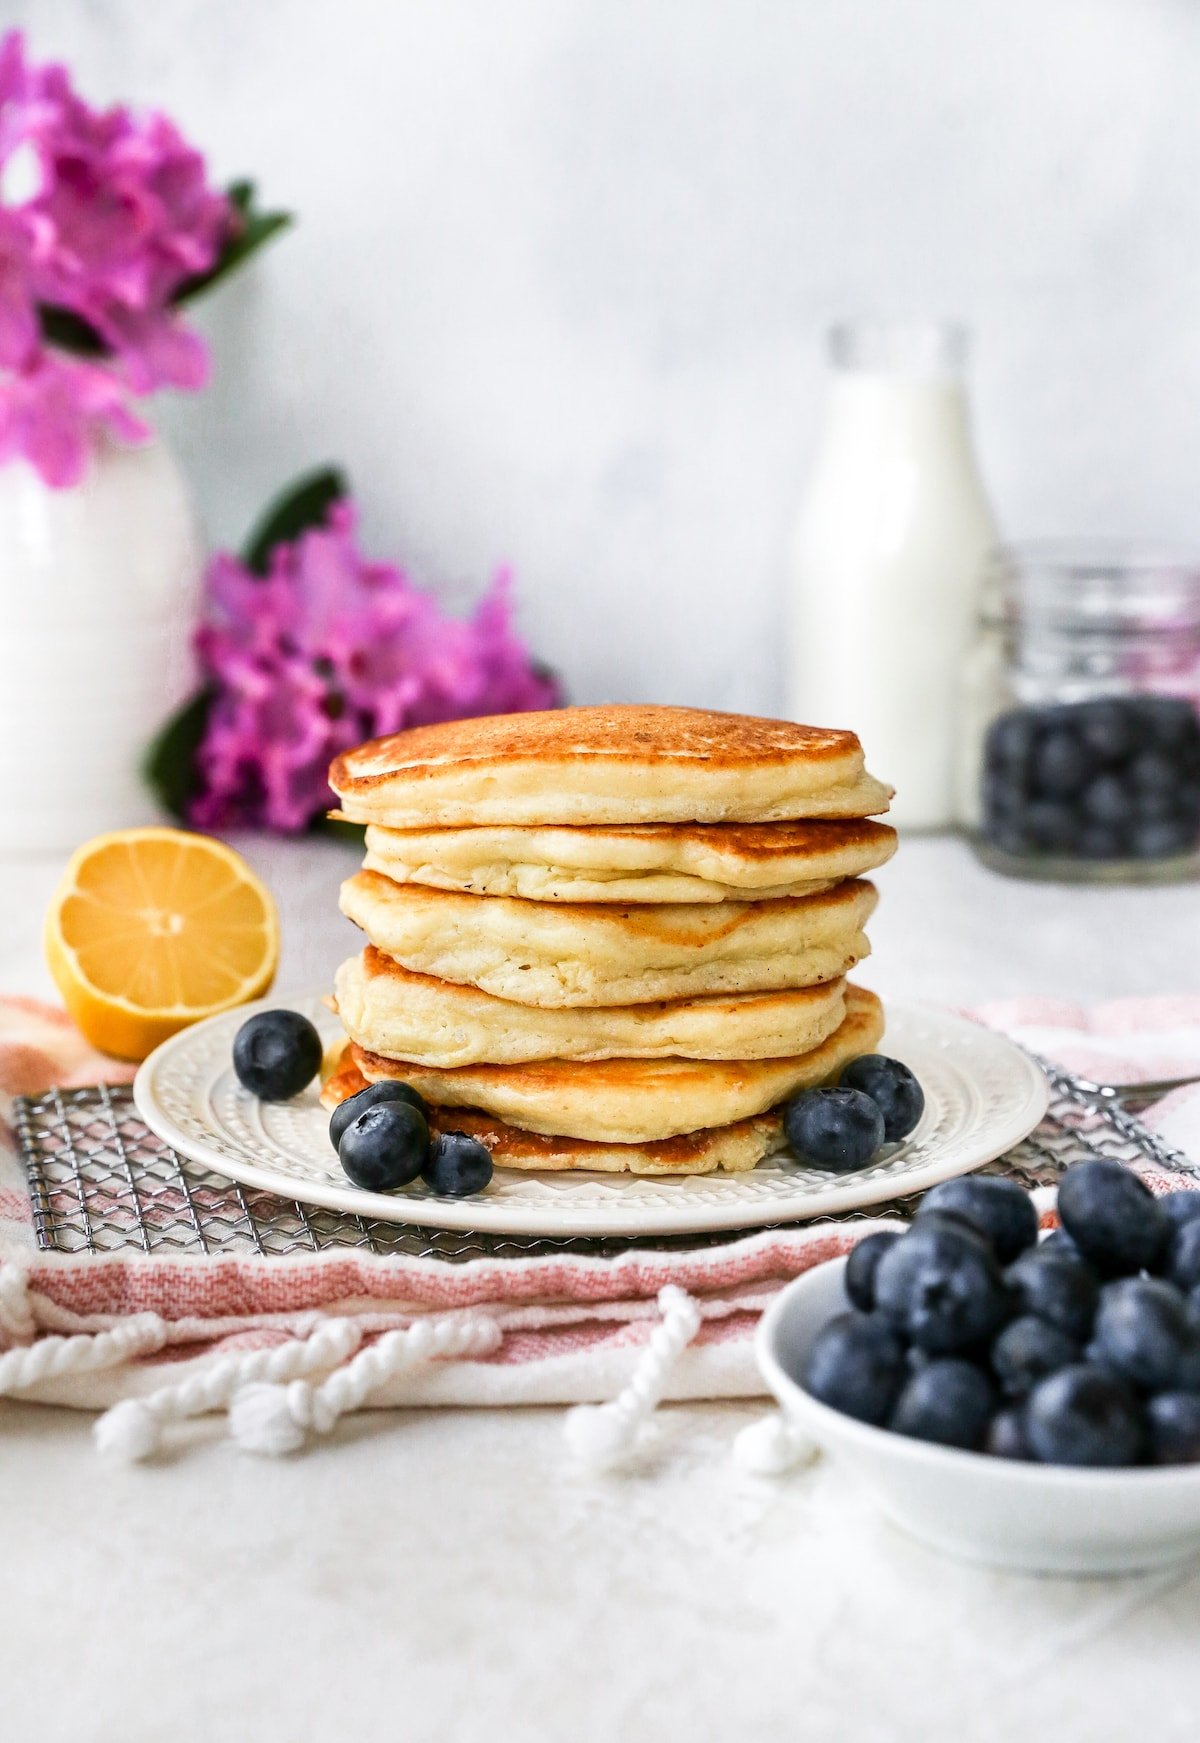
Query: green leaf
[(253, 229), (169, 766), (70, 332), (302, 505)]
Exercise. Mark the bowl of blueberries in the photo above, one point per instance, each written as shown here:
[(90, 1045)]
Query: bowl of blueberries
[(1028, 1401)]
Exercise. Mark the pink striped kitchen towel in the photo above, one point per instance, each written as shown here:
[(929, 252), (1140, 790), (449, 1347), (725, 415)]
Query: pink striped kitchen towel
[(288, 1344)]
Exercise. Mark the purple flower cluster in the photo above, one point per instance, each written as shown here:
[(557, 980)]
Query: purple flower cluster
[(103, 217), (327, 649)]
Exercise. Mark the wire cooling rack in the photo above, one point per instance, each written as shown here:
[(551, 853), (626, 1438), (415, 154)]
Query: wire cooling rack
[(100, 1181)]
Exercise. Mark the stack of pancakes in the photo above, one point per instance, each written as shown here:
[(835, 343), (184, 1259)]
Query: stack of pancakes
[(610, 938)]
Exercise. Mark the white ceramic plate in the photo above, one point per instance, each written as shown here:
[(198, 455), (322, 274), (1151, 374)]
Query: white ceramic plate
[(982, 1095)]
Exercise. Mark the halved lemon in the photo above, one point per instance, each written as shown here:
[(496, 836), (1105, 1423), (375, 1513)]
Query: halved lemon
[(152, 929)]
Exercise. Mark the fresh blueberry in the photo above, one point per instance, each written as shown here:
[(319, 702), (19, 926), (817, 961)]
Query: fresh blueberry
[(1050, 825), (1167, 722), (458, 1165), (1058, 1286), (385, 1147), (1173, 1422), (1098, 841), (1112, 1218), (1106, 801), (1059, 1241), (1193, 1309), (1060, 764), (1006, 1437), (1106, 730), (999, 1209), (1182, 1266), (941, 1284), (1010, 739), (1152, 772), (1181, 1206), (837, 1130), (367, 1098), (892, 1087), (1083, 1416), (1144, 1334), (859, 1275), (1027, 1350), (856, 1365), (1161, 840), (948, 1401), (276, 1054)]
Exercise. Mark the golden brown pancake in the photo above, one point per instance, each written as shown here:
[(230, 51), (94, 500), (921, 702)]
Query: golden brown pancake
[(391, 1011), (650, 862), (556, 954), (635, 1101), (733, 1149), (615, 764)]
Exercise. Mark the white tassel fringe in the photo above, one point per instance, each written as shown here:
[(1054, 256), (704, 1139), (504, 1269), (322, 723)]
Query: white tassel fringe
[(771, 1447), (601, 1436)]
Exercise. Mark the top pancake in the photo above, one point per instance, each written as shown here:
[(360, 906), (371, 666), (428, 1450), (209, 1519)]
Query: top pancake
[(614, 764), (647, 862)]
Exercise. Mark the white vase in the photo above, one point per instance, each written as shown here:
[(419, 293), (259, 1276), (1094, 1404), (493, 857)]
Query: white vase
[(98, 590)]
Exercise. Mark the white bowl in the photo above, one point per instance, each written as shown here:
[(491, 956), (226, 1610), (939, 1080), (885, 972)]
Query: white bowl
[(1040, 1518)]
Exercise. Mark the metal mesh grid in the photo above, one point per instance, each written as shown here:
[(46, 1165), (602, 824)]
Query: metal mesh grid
[(100, 1180)]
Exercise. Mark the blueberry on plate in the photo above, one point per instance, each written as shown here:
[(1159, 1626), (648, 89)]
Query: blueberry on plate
[(1144, 1334), (1006, 1437), (1173, 1425), (385, 1147), (892, 1087), (856, 1365), (458, 1165), (1182, 1266), (1000, 1209), (837, 1130), (276, 1054), (941, 1285), (1027, 1350), (1055, 1283), (1083, 1416), (367, 1098), (1112, 1217), (863, 1262), (948, 1401)]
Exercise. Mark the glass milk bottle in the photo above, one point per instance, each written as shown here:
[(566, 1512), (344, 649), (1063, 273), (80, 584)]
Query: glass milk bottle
[(890, 552)]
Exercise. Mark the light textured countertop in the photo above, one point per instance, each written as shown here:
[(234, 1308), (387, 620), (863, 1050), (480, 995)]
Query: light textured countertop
[(451, 1576)]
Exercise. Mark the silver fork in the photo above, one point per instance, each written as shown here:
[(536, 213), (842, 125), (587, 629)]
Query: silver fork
[(1135, 1095)]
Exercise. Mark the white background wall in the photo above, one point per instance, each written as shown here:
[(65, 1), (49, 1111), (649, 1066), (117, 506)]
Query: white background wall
[(563, 266)]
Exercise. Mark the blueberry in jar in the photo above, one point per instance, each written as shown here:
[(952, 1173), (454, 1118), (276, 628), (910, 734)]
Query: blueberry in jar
[(1106, 730), (386, 1146), (999, 1209), (892, 1087), (276, 1054), (856, 1365), (1112, 1217), (1060, 763), (366, 1098), (837, 1130), (1084, 1416), (862, 1264), (942, 1287), (458, 1165), (948, 1401)]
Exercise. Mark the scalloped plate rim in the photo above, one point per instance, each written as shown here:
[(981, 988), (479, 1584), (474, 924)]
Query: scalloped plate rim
[(983, 1135)]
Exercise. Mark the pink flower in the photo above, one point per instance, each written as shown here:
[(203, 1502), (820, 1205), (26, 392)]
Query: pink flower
[(328, 649), (105, 217)]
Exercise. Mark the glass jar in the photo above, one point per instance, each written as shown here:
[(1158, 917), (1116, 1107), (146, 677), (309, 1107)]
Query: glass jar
[(1082, 743)]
